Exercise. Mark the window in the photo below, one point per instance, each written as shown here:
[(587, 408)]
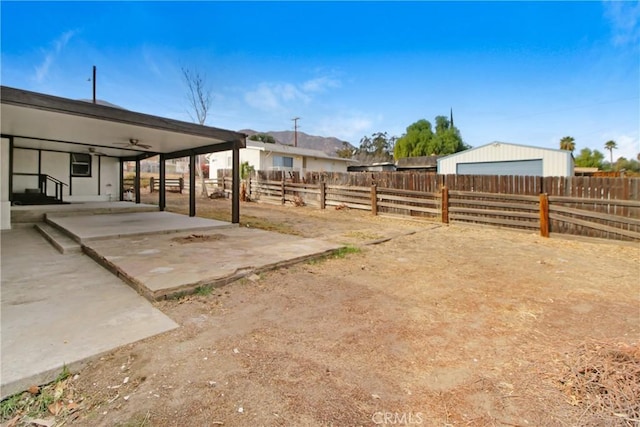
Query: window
[(282, 161), (80, 164)]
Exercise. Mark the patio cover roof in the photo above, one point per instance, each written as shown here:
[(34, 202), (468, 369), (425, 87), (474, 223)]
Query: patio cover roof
[(52, 123)]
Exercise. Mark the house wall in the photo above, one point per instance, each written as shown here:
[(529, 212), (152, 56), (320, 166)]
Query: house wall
[(109, 178), (324, 165), (263, 160), (56, 164), (219, 161), (224, 159), (104, 171), (24, 161), (5, 204), (554, 162)]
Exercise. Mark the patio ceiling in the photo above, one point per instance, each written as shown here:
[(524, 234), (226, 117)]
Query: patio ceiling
[(52, 123)]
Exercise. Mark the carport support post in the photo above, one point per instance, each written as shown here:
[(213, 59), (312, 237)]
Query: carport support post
[(544, 215), (121, 195), (137, 185), (162, 197), (235, 184), (192, 184)]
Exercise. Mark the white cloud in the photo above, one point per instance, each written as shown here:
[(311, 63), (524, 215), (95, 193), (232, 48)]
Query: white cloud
[(58, 45), (320, 84), (628, 146), (349, 127), (274, 96), (151, 62), (624, 17), (278, 96)]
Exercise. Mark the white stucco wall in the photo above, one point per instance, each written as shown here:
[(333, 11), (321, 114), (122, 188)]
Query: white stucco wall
[(56, 165), (263, 160), (5, 204), (109, 178), (24, 161), (325, 165), (224, 160), (554, 162), (219, 161), (85, 189)]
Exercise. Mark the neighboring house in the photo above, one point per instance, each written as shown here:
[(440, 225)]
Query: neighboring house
[(374, 167), (421, 164), (265, 156), (500, 158), (582, 171), (58, 150)]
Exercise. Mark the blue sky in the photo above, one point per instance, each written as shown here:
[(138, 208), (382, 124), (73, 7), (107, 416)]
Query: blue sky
[(527, 73)]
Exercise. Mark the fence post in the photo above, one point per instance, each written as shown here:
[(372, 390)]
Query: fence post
[(284, 199), (374, 199), (151, 184), (544, 215), (323, 195), (444, 205)]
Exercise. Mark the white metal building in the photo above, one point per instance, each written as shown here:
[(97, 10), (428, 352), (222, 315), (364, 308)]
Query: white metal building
[(500, 158)]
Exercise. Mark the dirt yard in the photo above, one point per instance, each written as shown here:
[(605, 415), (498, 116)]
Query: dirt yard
[(425, 325)]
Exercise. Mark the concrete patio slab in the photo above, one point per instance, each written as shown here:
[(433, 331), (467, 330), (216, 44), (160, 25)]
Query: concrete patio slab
[(62, 309), (159, 266), (30, 214), (83, 228)]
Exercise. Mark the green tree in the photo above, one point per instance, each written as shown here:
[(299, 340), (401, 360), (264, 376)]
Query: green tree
[(421, 140), (263, 137), (346, 152), (611, 145), (631, 165), (245, 170), (376, 148), (415, 141), (589, 159), (568, 143)]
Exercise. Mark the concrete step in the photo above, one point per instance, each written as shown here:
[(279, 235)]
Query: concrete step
[(58, 239)]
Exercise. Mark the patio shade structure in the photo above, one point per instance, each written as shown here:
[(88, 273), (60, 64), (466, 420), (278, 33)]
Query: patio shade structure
[(44, 122)]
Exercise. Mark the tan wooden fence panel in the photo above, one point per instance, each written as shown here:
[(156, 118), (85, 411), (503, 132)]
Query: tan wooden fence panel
[(589, 206), (507, 210)]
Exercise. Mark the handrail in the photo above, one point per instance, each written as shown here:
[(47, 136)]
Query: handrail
[(50, 178), (43, 179), (41, 174)]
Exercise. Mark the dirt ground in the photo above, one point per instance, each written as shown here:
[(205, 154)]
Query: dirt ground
[(426, 325)]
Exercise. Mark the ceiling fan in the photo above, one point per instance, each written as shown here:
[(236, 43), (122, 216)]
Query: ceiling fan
[(94, 152), (133, 143)]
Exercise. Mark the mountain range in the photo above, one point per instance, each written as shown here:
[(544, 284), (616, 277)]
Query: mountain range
[(328, 145)]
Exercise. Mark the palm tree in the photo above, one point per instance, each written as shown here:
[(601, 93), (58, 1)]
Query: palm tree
[(611, 145), (567, 143)]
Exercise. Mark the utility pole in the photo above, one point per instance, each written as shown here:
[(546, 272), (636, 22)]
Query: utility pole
[(94, 84), (295, 131)]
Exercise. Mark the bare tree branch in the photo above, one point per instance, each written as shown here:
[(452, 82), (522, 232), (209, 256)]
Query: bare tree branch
[(199, 97)]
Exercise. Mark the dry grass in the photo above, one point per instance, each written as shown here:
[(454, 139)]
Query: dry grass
[(603, 379)]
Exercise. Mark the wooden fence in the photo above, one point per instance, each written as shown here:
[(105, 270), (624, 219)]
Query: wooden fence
[(587, 206), (603, 207)]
